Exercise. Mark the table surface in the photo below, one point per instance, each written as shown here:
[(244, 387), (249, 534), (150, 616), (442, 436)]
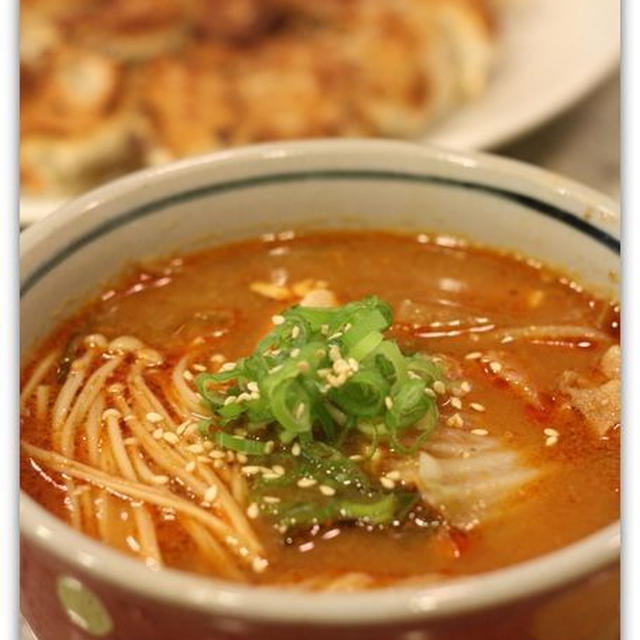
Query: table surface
[(583, 143)]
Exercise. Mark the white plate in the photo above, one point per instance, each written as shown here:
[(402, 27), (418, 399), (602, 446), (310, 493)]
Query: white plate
[(552, 53)]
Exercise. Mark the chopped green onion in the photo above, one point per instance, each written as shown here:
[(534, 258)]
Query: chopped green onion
[(322, 385), (409, 404), (241, 445), (290, 407), (362, 395), (426, 368)]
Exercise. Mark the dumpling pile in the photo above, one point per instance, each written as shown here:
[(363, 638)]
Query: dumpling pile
[(112, 85)]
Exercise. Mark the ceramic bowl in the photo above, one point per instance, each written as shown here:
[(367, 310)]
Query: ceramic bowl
[(73, 587)]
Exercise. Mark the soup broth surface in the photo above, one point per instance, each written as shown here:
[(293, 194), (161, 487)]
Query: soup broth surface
[(450, 299)]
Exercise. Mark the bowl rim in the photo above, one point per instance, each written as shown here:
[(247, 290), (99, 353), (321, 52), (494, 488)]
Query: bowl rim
[(211, 596)]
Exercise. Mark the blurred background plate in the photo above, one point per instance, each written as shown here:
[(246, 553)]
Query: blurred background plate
[(551, 54)]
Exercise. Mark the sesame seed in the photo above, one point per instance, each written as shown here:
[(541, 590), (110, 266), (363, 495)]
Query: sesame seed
[(304, 483), (271, 499), (192, 427), (242, 458), (551, 441), (394, 475), (251, 470), (388, 402), (324, 329), (253, 386), (341, 366), (217, 358), (480, 432), (116, 387), (154, 417), (340, 379), (160, 479), (259, 565), (229, 400), (198, 367), (170, 437), (326, 490), (211, 493), (439, 387), (476, 406), (269, 447), (356, 457), (158, 433), (303, 366), (295, 332), (216, 454), (496, 367), (295, 449), (465, 387), (551, 432), (430, 392), (187, 375), (300, 410), (181, 428), (278, 469), (474, 355), (277, 319), (295, 352), (253, 511), (387, 483), (190, 466), (455, 421), (195, 448), (228, 366), (111, 413), (456, 403)]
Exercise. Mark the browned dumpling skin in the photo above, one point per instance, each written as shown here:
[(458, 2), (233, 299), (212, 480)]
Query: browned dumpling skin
[(235, 20), (199, 75)]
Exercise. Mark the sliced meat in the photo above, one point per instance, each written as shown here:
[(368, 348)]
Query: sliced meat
[(505, 367), (599, 404)]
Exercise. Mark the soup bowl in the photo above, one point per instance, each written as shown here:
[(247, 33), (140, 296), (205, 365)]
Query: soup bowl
[(74, 587)]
